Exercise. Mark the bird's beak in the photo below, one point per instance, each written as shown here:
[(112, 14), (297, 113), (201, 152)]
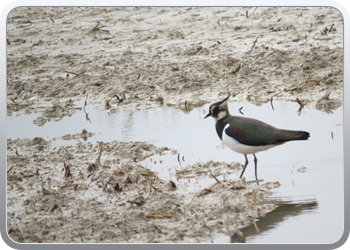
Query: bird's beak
[(207, 115)]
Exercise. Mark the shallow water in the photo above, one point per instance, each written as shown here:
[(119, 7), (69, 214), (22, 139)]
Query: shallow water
[(318, 189)]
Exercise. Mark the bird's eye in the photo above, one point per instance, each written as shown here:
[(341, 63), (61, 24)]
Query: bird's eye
[(216, 109)]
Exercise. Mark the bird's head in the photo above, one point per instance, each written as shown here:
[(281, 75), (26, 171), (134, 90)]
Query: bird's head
[(219, 110)]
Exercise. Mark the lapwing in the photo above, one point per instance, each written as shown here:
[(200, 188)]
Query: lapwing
[(247, 135)]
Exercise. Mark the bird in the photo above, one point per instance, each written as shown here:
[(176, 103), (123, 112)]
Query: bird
[(247, 135)]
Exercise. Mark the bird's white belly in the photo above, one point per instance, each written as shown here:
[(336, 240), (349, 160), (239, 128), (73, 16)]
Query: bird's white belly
[(241, 148)]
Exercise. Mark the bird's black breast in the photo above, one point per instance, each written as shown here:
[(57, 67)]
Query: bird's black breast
[(220, 125)]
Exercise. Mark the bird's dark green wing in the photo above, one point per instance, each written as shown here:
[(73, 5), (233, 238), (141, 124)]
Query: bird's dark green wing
[(253, 132), (257, 133)]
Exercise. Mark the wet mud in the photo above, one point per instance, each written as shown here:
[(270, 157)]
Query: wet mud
[(100, 193), (60, 59)]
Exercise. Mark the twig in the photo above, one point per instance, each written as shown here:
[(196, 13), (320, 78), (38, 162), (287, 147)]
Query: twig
[(252, 200), (299, 102), (254, 43), (37, 167), (67, 170), (272, 104), (120, 99), (85, 103), (215, 178), (86, 114), (254, 11), (108, 105), (234, 72), (96, 27), (71, 72), (257, 181), (325, 97), (10, 169), (65, 149), (301, 106), (99, 156), (256, 226)]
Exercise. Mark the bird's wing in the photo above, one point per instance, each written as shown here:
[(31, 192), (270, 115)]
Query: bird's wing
[(253, 132)]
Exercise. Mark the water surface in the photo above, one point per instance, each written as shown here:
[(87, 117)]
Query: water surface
[(314, 210)]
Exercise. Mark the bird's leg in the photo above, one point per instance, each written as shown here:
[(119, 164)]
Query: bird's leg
[(245, 165), (256, 169)]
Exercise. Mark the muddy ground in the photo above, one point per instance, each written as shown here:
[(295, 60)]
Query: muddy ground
[(76, 194), (59, 59)]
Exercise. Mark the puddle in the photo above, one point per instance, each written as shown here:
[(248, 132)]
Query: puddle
[(265, 226), (307, 170)]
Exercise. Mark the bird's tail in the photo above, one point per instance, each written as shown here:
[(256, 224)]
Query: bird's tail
[(292, 135)]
